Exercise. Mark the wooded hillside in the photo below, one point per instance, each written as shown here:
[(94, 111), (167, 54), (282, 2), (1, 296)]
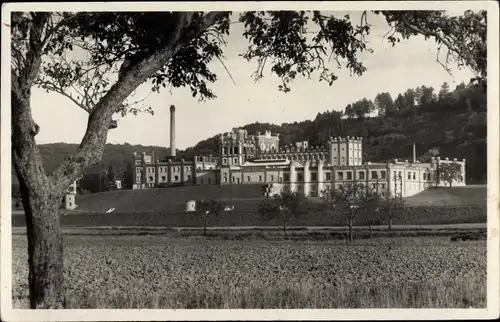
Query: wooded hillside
[(449, 123), (444, 122)]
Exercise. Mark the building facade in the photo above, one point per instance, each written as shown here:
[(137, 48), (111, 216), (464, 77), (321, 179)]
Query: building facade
[(149, 174), (258, 159)]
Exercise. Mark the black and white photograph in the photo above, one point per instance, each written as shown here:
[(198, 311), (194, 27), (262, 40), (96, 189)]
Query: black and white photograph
[(249, 160)]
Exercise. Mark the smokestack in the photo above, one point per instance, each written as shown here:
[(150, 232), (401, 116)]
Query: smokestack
[(414, 152), (172, 130)]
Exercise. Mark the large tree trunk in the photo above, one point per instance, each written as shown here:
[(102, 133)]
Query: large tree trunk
[(41, 201), (45, 249)]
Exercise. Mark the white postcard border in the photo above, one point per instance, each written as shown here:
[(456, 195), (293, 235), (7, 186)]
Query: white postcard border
[(493, 290)]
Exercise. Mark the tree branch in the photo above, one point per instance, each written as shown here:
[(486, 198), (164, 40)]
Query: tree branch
[(227, 71), (446, 42), (92, 145), (56, 89)]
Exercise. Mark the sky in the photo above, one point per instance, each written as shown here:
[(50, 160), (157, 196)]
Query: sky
[(409, 64)]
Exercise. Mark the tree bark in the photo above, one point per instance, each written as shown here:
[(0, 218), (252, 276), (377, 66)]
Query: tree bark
[(41, 201), (45, 249), (390, 223), (284, 229)]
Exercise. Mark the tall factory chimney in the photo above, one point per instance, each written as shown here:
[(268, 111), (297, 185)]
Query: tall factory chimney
[(414, 152), (172, 130)]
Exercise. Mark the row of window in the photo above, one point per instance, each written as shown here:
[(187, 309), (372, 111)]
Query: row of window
[(249, 179), (340, 176), (314, 176), (301, 157), (164, 178), (206, 168), (298, 157), (361, 175), (236, 150), (174, 169), (314, 193), (342, 159), (355, 149), (224, 161), (426, 176)]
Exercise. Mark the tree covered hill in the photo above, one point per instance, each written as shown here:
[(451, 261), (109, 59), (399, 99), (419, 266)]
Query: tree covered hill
[(449, 123), (446, 123), (118, 155)]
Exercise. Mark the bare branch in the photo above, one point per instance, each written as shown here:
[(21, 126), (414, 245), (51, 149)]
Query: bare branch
[(442, 38), (57, 89), (227, 71)]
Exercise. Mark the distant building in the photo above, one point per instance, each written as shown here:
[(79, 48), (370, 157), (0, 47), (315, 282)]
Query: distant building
[(70, 196), (149, 174), (258, 159)]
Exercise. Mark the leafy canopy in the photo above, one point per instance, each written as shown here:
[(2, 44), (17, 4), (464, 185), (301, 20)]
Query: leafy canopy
[(208, 207), (450, 172), (351, 198), (107, 44), (284, 206)]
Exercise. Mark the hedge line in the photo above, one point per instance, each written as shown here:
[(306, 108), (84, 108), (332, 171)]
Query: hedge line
[(410, 216)]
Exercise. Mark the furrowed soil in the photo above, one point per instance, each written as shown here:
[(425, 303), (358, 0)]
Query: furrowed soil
[(157, 272)]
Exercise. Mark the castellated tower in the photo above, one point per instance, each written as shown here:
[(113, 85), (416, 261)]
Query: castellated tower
[(267, 142), (236, 147), (345, 151)]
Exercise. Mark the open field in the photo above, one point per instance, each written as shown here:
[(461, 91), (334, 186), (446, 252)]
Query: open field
[(246, 198), (454, 196), (156, 272)]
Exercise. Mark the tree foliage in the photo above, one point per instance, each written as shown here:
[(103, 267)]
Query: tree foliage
[(450, 172), (393, 205), (284, 207), (360, 109), (426, 96), (207, 208), (349, 200), (281, 37), (128, 176), (463, 38), (384, 103)]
